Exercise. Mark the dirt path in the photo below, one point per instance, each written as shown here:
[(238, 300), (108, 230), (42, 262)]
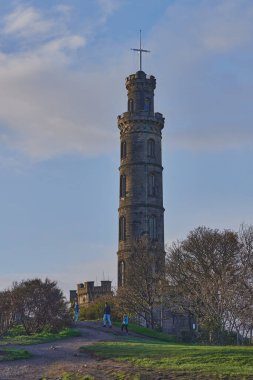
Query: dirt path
[(51, 360), (54, 358)]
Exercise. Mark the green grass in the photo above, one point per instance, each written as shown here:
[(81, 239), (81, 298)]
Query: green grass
[(219, 360), (17, 335), (13, 354), (162, 337), (73, 376)]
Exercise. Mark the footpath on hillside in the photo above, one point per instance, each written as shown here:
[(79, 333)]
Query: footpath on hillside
[(51, 360)]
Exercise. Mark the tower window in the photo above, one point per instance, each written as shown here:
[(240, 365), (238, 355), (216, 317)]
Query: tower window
[(152, 227), (122, 228), (147, 105), (123, 150), (151, 148), (130, 105), (122, 186), (151, 185), (122, 273)]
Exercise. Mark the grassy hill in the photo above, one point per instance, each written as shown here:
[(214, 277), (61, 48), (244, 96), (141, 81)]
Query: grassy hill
[(185, 360)]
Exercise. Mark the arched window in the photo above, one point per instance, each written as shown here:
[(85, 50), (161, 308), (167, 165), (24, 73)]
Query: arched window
[(123, 150), (151, 185), (122, 186), (130, 105), (122, 228), (151, 148), (122, 273), (152, 228), (147, 105)]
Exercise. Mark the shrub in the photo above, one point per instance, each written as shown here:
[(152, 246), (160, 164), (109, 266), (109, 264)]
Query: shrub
[(39, 305)]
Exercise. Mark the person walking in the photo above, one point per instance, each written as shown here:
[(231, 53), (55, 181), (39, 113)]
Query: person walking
[(125, 323), (76, 311), (107, 315)]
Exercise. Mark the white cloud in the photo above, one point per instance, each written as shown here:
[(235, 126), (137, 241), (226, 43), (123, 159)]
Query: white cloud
[(205, 82), (107, 8), (69, 42), (228, 26), (49, 109), (200, 55), (25, 21)]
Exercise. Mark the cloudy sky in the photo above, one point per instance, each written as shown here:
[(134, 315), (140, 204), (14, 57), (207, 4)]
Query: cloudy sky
[(62, 70)]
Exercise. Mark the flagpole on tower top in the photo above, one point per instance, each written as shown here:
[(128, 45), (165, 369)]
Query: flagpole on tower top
[(140, 50)]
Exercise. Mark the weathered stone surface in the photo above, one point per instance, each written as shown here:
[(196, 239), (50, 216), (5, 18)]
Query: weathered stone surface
[(140, 129)]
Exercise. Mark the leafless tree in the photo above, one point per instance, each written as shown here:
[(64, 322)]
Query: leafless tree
[(7, 315), (144, 280), (205, 271), (244, 320)]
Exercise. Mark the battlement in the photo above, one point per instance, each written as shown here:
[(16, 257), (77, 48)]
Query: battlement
[(88, 292), (140, 78), (139, 75)]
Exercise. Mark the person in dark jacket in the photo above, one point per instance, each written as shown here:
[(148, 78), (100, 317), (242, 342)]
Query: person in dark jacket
[(107, 315)]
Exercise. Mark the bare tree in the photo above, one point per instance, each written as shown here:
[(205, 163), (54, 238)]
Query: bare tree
[(7, 315), (244, 315), (144, 279), (204, 270)]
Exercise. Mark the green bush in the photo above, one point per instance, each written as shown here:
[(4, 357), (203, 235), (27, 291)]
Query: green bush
[(95, 309)]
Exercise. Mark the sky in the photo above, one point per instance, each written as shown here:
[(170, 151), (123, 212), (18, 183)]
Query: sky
[(63, 66)]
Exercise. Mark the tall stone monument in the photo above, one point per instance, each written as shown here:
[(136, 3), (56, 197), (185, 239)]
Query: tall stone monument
[(141, 211)]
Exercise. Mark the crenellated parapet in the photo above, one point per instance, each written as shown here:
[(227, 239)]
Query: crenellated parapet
[(131, 123)]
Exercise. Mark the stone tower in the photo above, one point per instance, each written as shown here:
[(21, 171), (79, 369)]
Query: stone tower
[(141, 209)]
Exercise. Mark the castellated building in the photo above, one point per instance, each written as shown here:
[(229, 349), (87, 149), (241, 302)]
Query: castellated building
[(87, 292), (141, 209)]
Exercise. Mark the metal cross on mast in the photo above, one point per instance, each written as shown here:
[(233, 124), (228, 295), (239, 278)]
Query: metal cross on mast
[(140, 50)]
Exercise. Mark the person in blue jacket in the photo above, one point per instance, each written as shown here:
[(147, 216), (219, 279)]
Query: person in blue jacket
[(107, 315), (125, 323), (76, 311)]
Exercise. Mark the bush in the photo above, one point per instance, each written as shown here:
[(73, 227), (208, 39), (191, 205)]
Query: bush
[(39, 305), (95, 309)]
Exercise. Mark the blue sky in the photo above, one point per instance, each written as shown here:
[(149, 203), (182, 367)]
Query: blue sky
[(62, 70)]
